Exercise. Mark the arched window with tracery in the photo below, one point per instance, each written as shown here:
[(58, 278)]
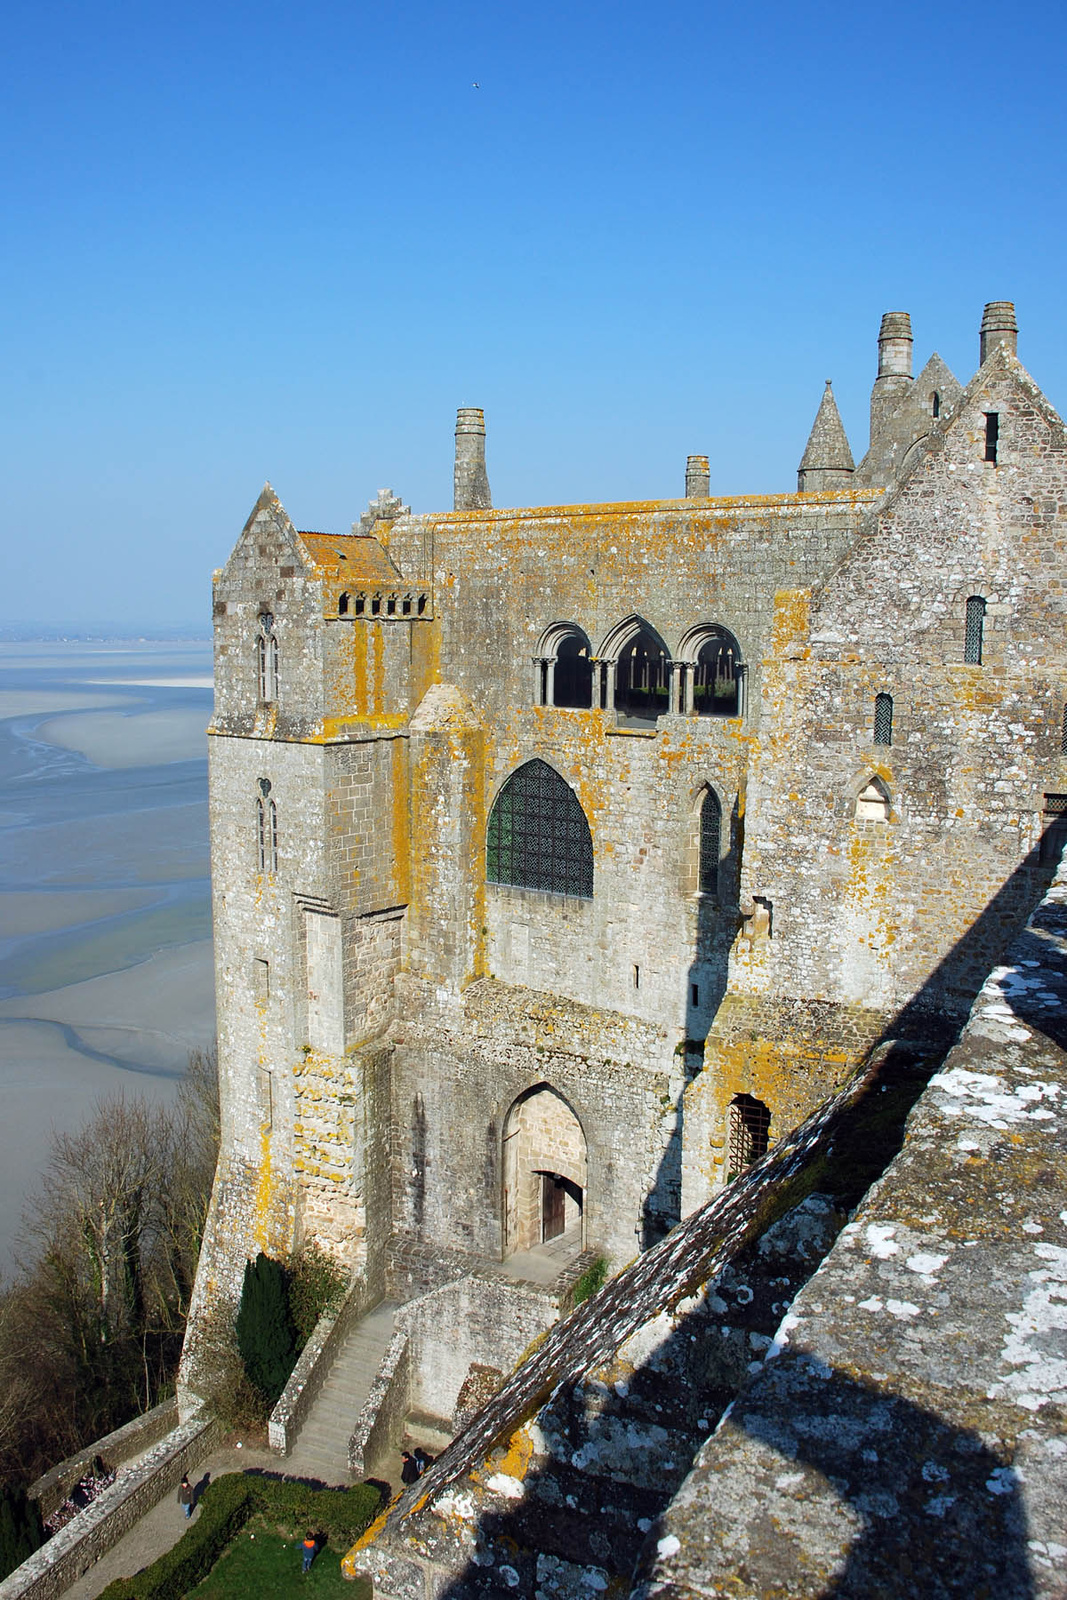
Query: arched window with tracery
[(710, 842), (538, 835), (266, 829), (747, 1134), (267, 659)]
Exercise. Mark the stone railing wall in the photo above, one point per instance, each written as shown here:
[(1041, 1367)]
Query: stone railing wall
[(388, 1403), (115, 1448), (72, 1551), (311, 1370)]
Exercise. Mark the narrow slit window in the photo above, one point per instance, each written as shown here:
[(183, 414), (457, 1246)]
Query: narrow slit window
[(694, 989), (710, 842), (975, 626), (261, 836), (992, 434), (1063, 733), (883, 719), (272, 840), (935, 403), (637, 977)]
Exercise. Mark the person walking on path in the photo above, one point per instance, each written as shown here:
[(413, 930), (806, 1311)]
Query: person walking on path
[(186, 1495), (309, 1547)]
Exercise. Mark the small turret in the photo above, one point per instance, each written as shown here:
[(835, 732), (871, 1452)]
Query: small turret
[(697, 478), (827, 462), (471, 480), (894, 367), (998, 327)]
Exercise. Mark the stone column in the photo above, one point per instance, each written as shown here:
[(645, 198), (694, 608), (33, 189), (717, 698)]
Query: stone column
[(998, 327), (697, 478)]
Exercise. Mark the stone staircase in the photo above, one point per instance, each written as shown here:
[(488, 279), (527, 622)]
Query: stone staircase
[(321, 1449)]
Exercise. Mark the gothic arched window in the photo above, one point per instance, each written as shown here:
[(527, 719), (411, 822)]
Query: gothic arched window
[(538, 835), (710, 842), (266, 829), (267, 659)]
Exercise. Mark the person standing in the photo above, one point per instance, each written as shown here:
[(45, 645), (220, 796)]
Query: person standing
[(186, 1495), (309, 1548)]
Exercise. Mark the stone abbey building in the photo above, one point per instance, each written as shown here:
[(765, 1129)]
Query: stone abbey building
[(563, 857)]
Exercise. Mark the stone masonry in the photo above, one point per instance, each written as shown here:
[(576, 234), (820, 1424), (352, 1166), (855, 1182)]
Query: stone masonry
[(808, 750)]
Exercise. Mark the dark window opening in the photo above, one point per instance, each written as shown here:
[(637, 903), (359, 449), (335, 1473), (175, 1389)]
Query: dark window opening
[(642, 680), (637, 977), (407, 605), (975, 625), (748, 1135), (1063, 733), (1054, 829), (538, 836), (710, 842), (573, 675), (376, 605), (717, 678), (935, 403), (361, 605), (342, 606), (883, 719), (390, 605), (422, 604), (694, 989), (992, 433)]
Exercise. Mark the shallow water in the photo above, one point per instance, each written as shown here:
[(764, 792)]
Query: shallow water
[(105, 923)]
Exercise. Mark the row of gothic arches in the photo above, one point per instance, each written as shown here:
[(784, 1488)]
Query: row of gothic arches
[(634, 673)]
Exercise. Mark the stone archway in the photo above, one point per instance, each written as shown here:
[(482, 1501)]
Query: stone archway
[(545, 1171)]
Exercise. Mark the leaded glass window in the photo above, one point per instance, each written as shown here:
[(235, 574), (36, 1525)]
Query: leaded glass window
[(710, 842), (538, 835), (883, 719), (972, 642)]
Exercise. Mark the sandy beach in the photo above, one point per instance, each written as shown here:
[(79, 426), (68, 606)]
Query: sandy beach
[(106, 977)]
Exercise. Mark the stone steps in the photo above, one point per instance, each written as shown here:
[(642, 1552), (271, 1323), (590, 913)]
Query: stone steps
[(321, 1448)]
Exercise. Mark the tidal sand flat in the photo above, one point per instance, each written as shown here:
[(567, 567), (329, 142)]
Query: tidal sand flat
[(105, 953)]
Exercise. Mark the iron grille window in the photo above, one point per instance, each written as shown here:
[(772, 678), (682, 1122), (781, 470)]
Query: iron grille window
[(1063, 733), (972, 643), (748, 1134), (1054, 831), (710, 842), (883, 719), (538, 835)]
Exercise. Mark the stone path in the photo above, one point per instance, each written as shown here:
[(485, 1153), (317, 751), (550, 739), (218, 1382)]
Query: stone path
[(163, 1526)]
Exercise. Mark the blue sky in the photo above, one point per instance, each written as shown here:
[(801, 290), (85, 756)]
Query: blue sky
[(247, 241)]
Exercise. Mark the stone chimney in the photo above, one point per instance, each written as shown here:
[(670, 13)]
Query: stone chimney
[(697, 478), (471, 480), (998, 327), (827, 462), (894, 368)]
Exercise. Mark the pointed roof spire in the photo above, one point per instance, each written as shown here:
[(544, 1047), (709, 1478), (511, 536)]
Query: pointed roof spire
[(827, 462)]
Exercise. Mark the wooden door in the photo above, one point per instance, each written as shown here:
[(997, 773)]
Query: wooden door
[(553, 1206)]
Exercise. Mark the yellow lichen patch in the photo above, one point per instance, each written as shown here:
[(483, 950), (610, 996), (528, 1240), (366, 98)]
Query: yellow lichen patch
[(512, 1460), (790, 626)]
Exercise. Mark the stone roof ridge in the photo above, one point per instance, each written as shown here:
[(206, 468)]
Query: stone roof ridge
[(828, 445), (385, 507)]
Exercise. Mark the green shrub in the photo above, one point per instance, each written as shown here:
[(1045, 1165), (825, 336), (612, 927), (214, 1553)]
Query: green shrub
[(21, 1532), (225, 1507), (593, 1278), (264, 1331), (316, 1284)]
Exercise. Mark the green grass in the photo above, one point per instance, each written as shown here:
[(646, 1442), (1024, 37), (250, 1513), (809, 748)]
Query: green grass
[(263, 1563)]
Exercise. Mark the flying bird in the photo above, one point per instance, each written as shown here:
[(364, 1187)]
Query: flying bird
[(475, 85)]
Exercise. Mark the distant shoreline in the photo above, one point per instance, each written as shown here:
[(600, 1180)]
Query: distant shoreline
[(103, 633)]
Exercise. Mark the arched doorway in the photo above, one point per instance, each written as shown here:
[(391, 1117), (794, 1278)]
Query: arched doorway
[(544, 1171)]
